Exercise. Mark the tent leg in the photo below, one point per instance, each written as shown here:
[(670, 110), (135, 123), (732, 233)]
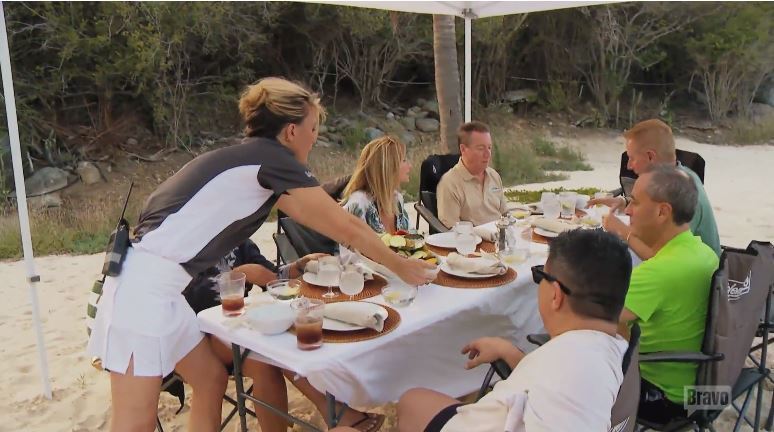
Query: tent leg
[(21, 194), (468, 66)]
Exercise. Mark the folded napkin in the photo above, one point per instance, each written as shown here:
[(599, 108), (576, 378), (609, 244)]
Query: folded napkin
[(488, 233), (313, 266), (481, 265), (553, 225), (357, 313)]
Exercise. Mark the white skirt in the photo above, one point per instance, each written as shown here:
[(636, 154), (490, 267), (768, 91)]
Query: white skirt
[(143, 316)]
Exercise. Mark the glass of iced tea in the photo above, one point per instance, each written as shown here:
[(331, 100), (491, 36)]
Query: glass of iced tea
[(308, 322), (232, 293)]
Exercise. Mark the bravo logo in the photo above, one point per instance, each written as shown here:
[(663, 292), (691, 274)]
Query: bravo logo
[(706, 398)]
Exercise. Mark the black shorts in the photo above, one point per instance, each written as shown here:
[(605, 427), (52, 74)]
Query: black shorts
[(443, 417)]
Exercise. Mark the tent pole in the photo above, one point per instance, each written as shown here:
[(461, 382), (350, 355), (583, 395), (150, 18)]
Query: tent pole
[(21, 197), (468, 65)]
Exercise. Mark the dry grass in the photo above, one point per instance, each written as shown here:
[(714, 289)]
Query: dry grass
[(748, 132)]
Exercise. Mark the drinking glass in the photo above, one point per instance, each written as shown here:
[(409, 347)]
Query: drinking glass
[(328, 274), (463, 227), (232, 293), (308, 321), (465, 243), (567, 202), (351, 281), (284, 289), (550, 204)]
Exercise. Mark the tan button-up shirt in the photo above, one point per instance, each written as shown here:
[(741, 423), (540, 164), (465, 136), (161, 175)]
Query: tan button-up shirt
[(461, 197)]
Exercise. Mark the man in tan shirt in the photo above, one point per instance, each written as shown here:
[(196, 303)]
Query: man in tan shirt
[(471, 190)]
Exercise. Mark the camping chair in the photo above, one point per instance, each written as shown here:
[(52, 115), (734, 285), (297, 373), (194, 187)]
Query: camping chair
[(430, 173), (740, 286), (627, 177), (623, 414), (287, 251)]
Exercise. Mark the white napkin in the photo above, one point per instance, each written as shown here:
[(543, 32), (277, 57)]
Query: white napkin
[(475, 265), (357, 313), (313, 266), (553, 225), (488, 233)]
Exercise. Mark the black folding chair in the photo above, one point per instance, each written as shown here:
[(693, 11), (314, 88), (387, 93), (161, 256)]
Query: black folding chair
[(627, 177), (741, 284), (430, 173), (624, 411)]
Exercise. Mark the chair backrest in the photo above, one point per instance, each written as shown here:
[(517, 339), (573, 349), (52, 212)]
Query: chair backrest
[(306, 240), (739, 289), (428, 199), (623, 417), (433, 168), (335, 187), (689, 159)]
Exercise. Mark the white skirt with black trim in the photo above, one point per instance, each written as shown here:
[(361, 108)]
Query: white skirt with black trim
[(143, 316)]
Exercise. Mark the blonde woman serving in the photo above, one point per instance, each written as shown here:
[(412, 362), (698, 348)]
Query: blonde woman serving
[(144, 328), (373, 192)]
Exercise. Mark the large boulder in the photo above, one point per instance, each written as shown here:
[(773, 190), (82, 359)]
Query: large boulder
[(413, 111), (88, 172), (409, 123), (431, 107), (373, 133), (520, 96), (408, 138), (42, 202), (762, 113), (428, 125), (46, 180)]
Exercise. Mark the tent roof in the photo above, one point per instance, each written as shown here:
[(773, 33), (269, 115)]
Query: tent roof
[(468, 9)]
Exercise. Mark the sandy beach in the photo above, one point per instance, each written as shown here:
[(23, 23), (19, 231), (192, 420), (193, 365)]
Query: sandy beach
[(738, 180)]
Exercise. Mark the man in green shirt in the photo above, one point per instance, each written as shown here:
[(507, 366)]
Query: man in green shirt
[(650, 143), (669, 293)]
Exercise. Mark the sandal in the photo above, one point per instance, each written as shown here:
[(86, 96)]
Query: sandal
[(371, 422)]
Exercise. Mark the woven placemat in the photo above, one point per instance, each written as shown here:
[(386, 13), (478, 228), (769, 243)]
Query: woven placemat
[(447, 280), (537, 238), (484, 246), (390, 324), (371, 288)]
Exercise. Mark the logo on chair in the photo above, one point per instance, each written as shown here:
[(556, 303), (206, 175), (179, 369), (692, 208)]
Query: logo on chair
[(737, 289)]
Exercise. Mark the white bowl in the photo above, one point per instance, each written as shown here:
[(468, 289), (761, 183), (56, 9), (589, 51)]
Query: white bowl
[(581, 201), (271, 319)]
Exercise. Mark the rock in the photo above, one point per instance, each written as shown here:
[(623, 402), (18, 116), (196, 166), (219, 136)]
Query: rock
[(431, 106), (410, 123), (518, 96), (343, 123), (399, 110), (390, 116), (331, 128), (428, 125), (423, 114), (88, 172), (131, 142), (408, 138), (323, 143), (413, 111), (322, 129), (46, 180), (766, 93), (373, 133), (421, 101), (335, 138), (42, 202)]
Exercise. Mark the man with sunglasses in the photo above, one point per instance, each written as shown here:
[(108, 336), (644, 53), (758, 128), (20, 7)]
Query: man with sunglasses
[(669, 292), (569, 383)]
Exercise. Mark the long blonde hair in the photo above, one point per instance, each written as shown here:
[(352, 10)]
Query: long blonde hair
[(377, 173), (271, 103)]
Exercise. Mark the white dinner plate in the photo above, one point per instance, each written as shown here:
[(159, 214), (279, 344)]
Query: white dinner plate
[(311, 278), (545, 233), (446, 240), (445, 267), (333, 325)]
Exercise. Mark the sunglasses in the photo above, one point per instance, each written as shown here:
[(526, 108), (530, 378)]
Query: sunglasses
[(538, 274)]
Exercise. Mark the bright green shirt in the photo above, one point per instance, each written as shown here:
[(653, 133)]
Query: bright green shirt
[(703, 223), (669, 294)]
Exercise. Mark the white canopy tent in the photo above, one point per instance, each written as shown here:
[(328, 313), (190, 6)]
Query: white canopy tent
[(469, 10)]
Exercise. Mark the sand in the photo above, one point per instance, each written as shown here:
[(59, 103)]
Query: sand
[(738, 183)]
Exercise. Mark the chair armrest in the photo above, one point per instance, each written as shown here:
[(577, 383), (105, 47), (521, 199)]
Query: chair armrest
[(617, 192), (538, 339), (434, 222), (680, 357), (501, 368), (285, 250)]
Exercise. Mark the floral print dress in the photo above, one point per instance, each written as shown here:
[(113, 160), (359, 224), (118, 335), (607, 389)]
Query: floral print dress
[(363, 206)]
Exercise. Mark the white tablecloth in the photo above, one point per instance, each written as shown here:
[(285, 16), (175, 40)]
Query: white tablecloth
[(424, 351)]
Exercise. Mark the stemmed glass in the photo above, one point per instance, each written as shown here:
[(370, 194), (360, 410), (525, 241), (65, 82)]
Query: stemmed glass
[(329, 274), (351, 281)]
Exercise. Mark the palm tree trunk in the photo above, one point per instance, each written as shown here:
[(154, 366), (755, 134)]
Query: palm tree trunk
[(447, 81)]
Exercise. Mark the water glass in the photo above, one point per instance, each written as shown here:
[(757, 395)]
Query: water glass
[(550, 204), (399, 294), (308, 321), (284, 289), (465, 243), (463, 227), (328, 274), (518, 247), (232, 293), (567, 202), (351, 281)]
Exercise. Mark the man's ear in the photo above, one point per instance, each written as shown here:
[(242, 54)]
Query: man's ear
[(557, 296)]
